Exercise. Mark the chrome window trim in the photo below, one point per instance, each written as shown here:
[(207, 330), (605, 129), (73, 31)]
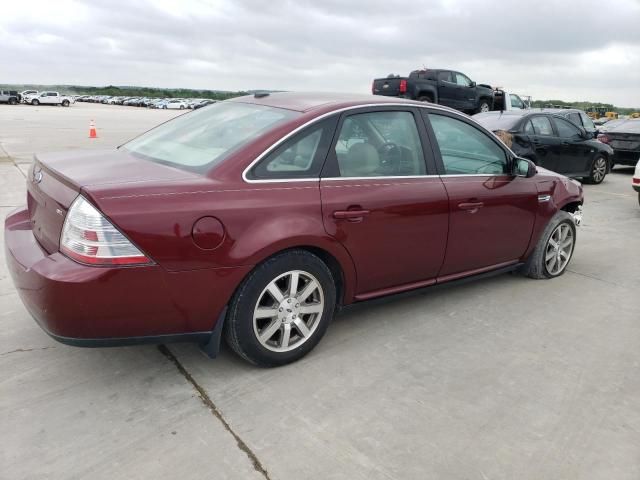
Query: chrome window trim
[(338, 111), (386, 177)]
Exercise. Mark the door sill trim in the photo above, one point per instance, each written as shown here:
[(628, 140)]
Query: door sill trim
[(416, 288)]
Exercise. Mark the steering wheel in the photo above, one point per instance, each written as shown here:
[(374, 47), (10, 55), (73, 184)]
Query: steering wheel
[(390, 156)]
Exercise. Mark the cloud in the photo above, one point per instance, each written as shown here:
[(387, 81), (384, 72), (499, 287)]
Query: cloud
[(569, 50)]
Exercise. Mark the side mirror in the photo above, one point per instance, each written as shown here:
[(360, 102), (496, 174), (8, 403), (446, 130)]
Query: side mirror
[(523, 167), (473, 84)]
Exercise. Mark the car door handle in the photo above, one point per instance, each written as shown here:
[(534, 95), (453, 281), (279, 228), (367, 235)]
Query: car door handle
[(351, 215), (471, 207)]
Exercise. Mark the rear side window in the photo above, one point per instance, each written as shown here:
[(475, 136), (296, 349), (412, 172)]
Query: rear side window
[(300, 157), (542, 126), (465, 150), (444, 76), (379, 144), (528, 128)]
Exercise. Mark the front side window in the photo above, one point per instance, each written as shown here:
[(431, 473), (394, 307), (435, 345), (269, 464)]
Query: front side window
[(566, 129), (542, 126), (379, 144), (203, 138), (587, 122), (466, 150), (462, 80), (528, 128), (575, 118), (300, 157), (516, 102)]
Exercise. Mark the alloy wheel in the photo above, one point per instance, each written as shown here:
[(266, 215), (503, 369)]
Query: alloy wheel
[(288, 311), (559, 249), (484, 107), (599, 169)]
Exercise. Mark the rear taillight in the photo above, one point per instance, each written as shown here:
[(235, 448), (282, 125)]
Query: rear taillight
[(403, 86), (636, 181), (603, 138), (373, 87), (88, 237)]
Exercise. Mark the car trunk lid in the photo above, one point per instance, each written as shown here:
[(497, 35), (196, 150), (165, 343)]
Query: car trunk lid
[(55, 179), (623, 140), (388, 86)]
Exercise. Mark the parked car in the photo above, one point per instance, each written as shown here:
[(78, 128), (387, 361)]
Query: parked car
[(624, 138), (445, 87), (11, 97), (27, 93), (176, 104), (578, 117), (260, 217), (635, 182), (50, 98), (203, 103), (551, 141)]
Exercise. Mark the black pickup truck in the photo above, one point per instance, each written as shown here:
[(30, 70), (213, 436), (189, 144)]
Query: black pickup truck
[(446, 87)]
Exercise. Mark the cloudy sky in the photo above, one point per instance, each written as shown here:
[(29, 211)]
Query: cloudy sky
[(565, 49)]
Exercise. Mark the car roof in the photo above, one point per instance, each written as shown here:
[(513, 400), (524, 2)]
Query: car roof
[(306, 102)]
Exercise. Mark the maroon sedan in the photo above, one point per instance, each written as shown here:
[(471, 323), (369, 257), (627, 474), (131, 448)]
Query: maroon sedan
[(259, 217)]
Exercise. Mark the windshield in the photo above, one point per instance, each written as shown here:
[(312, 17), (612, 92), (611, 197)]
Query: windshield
[(201, 139), (497, 122)]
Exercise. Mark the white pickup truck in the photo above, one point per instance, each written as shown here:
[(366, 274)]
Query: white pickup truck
[(503, 100), (49, 98)]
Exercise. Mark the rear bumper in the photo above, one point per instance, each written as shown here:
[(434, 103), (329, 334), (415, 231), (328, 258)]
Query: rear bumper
[(626, 157), (103, 306)]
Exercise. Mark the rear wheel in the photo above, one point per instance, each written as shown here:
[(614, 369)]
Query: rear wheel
[(598, 170), (483, 106), (554, 249), (425, 98), (282, 310), (12, 101)]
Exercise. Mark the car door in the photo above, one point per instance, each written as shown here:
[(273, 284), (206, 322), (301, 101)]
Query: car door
[(381, 204), (544, 142), (446, 89), (465, 93), (492, 212), (573, 152)]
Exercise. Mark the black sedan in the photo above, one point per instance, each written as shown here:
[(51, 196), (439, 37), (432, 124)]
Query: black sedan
[(624, 138), (551, 141)]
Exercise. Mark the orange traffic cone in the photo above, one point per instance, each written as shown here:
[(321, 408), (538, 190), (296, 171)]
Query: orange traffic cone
[(92, 129)]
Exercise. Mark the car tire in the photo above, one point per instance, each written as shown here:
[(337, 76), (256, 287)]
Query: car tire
[(425, 99), (283, 331), (65, 103), (483, 106), (598, 170), (540, 264), (638, 198), (12, 101), (35, 102)]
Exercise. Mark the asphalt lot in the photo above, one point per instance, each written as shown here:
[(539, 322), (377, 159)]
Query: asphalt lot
[(505, 378)]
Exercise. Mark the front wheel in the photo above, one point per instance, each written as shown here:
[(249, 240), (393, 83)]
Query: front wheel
[(282, 310), (35, 102), (554, 249), (65, 103), (598, 170)]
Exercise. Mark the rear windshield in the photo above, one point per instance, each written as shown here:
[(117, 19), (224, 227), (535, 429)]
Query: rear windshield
[(632, 126), (497, 122), (203, 138)]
